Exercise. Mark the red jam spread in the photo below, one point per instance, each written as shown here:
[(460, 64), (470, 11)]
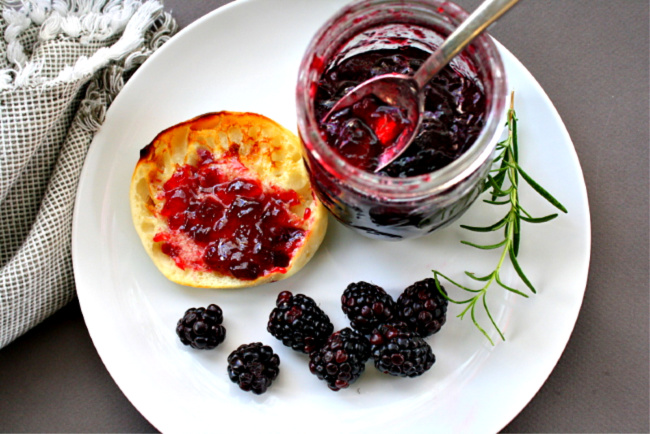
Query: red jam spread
[(454, 113), (222, 219)]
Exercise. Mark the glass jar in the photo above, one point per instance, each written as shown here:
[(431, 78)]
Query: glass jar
[(386, 207)]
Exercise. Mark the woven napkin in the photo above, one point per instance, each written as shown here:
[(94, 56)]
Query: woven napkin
[(61, 64)]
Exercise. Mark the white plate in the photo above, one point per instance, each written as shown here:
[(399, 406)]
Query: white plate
[(244, 57)]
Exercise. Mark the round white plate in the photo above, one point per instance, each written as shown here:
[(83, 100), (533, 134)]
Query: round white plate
[(244, 57)]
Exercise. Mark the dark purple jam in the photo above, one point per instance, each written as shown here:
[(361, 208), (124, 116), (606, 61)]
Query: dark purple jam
[(454, 114), (221, 220)]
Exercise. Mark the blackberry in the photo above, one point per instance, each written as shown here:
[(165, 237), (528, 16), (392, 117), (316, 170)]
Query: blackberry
[(422, 307), (341, 360), (399, 351), (201, 327), (366, 306), (253, 367), (299, 323)]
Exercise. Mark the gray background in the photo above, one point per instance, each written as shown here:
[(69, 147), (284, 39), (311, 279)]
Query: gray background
[(591, 57)]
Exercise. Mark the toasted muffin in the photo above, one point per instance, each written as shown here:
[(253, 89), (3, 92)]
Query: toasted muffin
[(224, 201)]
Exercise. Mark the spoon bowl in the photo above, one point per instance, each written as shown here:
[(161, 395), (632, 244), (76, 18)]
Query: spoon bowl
[(396, 90)]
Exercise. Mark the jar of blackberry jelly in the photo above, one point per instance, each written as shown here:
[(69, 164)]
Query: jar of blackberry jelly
[(444, 169)]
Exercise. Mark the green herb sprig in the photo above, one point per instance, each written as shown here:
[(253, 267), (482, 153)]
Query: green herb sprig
[(502, 193)]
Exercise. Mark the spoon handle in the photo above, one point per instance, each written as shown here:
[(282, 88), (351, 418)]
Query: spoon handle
[(487, 13)]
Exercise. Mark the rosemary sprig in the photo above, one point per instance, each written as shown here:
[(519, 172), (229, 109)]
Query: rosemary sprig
[(503, 183)]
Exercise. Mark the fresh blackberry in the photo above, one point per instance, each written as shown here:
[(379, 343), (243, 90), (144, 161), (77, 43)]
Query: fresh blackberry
[(399, 351), (253, 367), (299, 323), (422, 307), (341, 360), (366, 306), (201, 327)]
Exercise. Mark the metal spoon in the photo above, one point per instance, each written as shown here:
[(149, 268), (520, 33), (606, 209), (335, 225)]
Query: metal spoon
[(403, 91)]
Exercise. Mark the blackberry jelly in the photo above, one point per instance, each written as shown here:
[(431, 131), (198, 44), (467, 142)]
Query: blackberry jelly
[(444, 169), (220, 219), (453, 115)]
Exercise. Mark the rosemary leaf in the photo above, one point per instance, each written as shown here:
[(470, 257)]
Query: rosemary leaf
[(538, 219), (504, 286), (480, 279), (481, 329), (484, 247), (496, 188), (542, 192), (503, 338), (520, 272), (436, 274), (516, 236), (496, 202), (490, 228), (500, 177)]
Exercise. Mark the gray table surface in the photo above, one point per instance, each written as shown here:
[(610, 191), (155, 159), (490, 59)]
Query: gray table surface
[(591, 57)]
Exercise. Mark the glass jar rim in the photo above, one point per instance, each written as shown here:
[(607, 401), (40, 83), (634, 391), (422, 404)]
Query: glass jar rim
[(407, 188)]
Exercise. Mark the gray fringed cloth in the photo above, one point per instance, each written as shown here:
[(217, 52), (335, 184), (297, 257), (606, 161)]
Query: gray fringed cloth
[(61, 64)]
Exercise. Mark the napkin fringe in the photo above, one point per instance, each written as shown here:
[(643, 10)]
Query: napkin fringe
[(86, 21), (103, 86)]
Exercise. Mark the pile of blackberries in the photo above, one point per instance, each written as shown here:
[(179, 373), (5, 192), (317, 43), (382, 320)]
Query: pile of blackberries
[(390, 332)]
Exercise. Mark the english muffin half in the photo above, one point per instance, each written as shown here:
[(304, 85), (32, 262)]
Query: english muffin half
[(224, 201)]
